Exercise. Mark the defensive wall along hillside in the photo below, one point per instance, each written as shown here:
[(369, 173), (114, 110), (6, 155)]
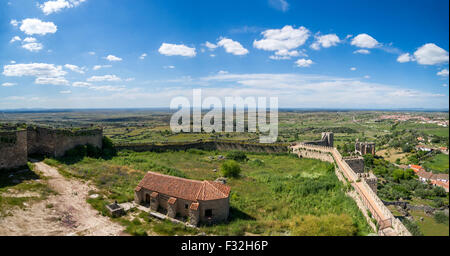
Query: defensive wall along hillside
[(17, 144), (385, 219)]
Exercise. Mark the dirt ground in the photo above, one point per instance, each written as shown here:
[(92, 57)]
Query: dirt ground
[(66, 213)]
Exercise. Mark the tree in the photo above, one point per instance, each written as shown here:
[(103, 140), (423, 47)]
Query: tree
[(230, 169)]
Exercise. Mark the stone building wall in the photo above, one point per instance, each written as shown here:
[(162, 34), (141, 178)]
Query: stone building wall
[(13, 149), (220, 209)]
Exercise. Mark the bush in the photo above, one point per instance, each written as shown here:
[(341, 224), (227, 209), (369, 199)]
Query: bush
[(440, 217), (237, 156), (412, 227), (231, 169), (108, 150)]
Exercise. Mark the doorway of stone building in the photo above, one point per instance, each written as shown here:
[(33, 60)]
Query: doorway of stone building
[(147, 199)]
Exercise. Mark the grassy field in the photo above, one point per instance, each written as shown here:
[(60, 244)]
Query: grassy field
[(275, 195), (429, 226), (439, 162)]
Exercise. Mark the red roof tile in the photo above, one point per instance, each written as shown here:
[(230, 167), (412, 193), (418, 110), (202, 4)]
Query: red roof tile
[(172, 200), (192, 190), (194, 206)]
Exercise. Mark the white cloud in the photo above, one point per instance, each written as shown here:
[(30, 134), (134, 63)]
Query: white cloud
[(130, 79), (445, 85), (112, 58), (57, 5), (65, 92), (222, 72), (176, 49), (304, 63), (14, 39), (364, 41), (211, 46), (366, 76), (362, 51), (443, 73), (352, 68), (406, 57), (143, 56), (15, 23), (97, 67), (91, 53), (431, 54), (109, 78), (169, 67), (286, 54), (81, 84), (75, 68), (287, 38), (30, 40), (232, 47), (34, 69), (33, 47), (7, 84), (212, 55), (51, 80), (110, 88), (36, 26), (325, 41)]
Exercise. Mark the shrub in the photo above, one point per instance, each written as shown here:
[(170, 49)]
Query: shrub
[(231, 169), (237, 156), (412, 227), (440, 217)]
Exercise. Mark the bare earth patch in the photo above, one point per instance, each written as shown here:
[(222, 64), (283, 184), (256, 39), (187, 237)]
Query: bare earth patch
[(67, 213)]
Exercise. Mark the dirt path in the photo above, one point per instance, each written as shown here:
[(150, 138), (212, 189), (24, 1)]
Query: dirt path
[(70, 214)]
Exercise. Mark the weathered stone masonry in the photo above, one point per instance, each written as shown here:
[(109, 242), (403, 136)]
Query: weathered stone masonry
[(17, 145)]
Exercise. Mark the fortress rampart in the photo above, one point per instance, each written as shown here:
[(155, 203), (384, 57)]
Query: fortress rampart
[(17, 145)]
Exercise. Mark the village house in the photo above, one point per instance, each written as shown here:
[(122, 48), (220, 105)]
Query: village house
[(439, 179), (199, 201), (416, 168)]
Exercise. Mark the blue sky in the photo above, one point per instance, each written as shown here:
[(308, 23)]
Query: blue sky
[(318, 54)]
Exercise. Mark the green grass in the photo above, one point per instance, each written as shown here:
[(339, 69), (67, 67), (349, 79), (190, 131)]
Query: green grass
[(439, 162), (270, 198), (429, 226)]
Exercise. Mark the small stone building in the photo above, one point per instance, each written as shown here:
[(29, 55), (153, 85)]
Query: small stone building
[(200, 201)]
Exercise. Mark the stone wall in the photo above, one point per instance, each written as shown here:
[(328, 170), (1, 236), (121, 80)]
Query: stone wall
[(13, 149), (355, 163), (51, 142), (220, 210)]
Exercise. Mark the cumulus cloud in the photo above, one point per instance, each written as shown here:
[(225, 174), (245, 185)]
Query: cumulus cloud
[(232, 47), (51, 80), (113, 58), (406, 57), (14, 39), (97, 67), (7, 84), (287, 38), (211, 46), (15, 23), (362, 51), (304, 63), (169, 67), (33, 47), (325, 41), (143, 56), (34, 69), (431, 54), (286, 54), (352, 68), (364, 41), (176, 49), (81, 84), (75, 68), (443, 73), (36, 26), (50, 7), (109, 78), (65, 92)]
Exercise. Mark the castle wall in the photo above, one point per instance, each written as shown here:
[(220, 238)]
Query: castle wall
[(355, 163), (13, 149), (50, 142)]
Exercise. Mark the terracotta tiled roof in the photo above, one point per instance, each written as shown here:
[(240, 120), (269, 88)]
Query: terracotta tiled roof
[(154, 194), (192, 190), (441, 176), (425, 174)]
